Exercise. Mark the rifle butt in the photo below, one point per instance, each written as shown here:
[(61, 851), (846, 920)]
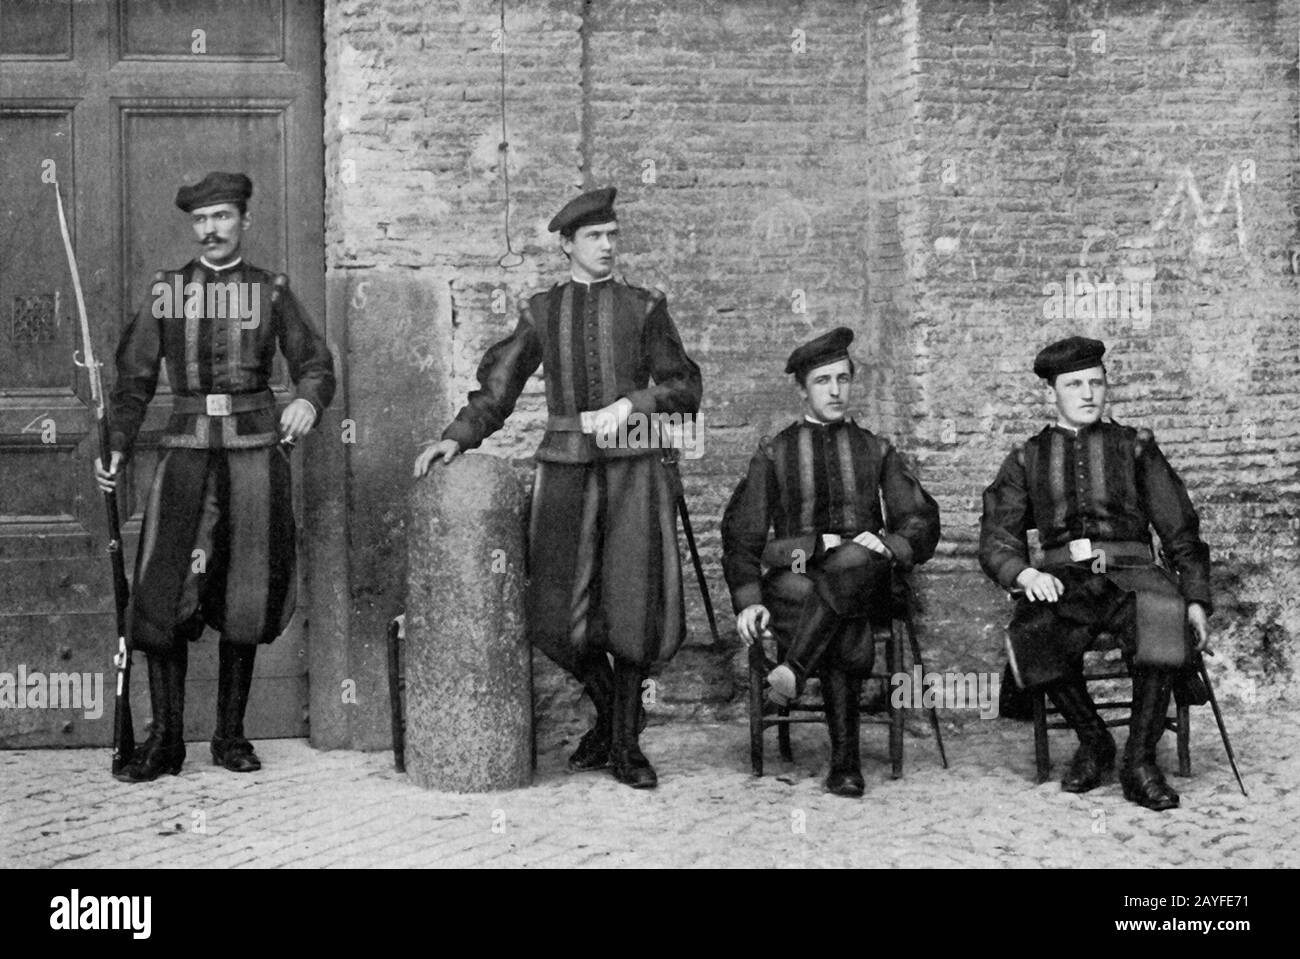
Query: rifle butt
[(123, 725)]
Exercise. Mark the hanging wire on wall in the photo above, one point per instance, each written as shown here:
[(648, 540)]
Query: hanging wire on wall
[(510, 259)]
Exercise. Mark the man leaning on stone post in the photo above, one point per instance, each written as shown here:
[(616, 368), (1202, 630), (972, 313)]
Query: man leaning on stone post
[(1093, 490), (603, 563), (818, 485)]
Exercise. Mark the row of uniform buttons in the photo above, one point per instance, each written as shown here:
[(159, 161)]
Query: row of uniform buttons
[(220, 337), (1080, 481), (591, 326)]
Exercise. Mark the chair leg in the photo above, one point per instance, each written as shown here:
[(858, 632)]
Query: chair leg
[(783, 726), (934, 713), (1042, 758), (756, 709), (1183, 737)]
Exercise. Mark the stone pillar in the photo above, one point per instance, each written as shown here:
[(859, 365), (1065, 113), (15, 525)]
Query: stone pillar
[(468, 688)]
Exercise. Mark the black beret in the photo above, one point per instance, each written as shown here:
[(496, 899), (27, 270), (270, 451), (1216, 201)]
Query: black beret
[(1068, 356), (213, 189), (596, 206), (826, 348)]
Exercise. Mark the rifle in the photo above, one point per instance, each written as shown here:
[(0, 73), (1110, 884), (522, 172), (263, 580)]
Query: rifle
[(123, 728)]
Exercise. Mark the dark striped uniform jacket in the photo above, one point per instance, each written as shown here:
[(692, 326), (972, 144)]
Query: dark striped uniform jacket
[(599, 342), (217, 354), (813, 479), (1106, 483)]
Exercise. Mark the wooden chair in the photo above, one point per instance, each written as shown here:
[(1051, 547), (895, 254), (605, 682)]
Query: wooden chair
[(1097, 672), (1107, 671), (807, 709)]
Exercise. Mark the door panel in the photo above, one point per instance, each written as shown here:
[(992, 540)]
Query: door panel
[(180, 142), (36, 29), (40, 321), (116, 96), (241, 30)]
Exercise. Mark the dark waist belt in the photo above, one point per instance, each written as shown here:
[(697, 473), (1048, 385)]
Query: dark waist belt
[(223, 404), (1085, 550)]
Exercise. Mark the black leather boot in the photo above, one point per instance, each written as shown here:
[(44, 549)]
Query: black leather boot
[(177, 666), (818, 625), (1141, 778), (164, 750), (626, 759), (593, 749), (1014, 702), (1094, 760), (840, 694), (234, 680)]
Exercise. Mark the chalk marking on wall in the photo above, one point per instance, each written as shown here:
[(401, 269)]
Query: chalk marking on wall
[(1205, 221)]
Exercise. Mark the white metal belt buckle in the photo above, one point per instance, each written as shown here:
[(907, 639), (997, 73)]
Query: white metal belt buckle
[(1080, 550), (218, 404)]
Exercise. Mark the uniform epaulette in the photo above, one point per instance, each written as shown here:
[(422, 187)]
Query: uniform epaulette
[(652, 297), (528, 298), (791, 429), (656, 298)]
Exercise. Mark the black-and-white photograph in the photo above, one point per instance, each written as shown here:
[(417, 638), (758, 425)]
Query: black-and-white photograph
[(642, 434)]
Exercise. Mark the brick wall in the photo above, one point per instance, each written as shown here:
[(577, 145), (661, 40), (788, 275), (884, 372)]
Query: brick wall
[(416, 226), (1135, 142), (919, 170), (736, 133)]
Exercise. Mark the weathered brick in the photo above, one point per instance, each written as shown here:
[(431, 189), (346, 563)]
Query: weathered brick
[(919, 171)]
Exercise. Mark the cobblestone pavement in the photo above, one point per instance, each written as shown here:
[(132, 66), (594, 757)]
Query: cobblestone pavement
[(60, 808)]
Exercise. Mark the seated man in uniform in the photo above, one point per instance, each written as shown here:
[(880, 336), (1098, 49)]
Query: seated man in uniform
[(818, 484), (1093, 490)]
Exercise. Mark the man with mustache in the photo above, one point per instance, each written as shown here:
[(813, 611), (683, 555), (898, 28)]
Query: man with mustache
[(1093, 490), (604, 574), (818, 484), (217, 544)]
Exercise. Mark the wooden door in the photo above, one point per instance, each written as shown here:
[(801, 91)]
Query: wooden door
[(125, 101)]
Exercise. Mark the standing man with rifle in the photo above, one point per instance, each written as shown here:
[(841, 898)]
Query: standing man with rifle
[(217, 544), (604, 571)]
